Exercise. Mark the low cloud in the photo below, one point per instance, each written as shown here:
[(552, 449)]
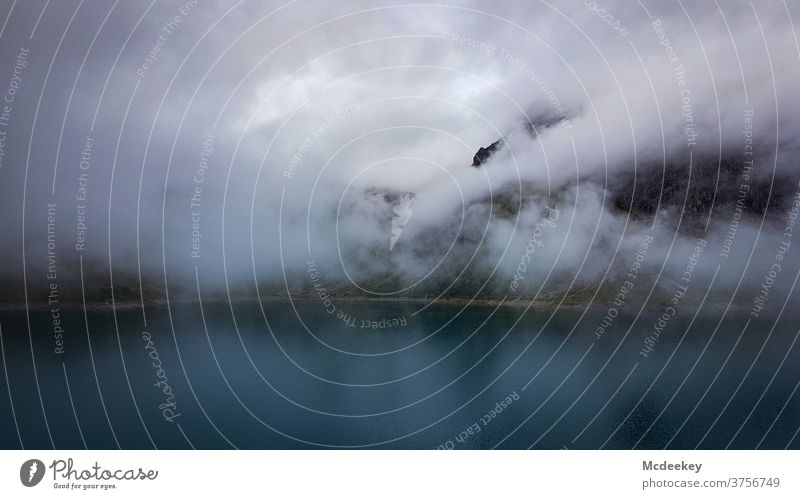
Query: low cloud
[(628, 123)]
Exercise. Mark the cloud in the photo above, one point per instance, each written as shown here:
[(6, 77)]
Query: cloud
[(323, 114)]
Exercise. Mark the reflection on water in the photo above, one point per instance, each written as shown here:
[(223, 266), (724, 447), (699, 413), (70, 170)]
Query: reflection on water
[(392, 374)]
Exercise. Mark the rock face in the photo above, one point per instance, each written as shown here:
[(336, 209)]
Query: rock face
[(713, 186), (394, 209), (655, 189), (534, 126), (484, 153)]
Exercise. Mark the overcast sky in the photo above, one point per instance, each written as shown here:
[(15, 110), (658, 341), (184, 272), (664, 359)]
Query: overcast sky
[(266, 128)]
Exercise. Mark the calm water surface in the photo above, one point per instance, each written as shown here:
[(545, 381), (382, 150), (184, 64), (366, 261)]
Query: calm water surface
[(396, 375)]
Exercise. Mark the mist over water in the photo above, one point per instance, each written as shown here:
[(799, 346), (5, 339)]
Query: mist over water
[(206, 143)]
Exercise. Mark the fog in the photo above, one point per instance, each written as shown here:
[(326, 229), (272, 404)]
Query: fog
[(258, 149)]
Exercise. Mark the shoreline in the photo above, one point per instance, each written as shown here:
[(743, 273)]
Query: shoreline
[(448, 301)]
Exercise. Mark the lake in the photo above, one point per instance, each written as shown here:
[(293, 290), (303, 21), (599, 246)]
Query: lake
[(372, 374)]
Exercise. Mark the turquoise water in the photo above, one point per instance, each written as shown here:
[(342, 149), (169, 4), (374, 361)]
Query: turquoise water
[(397, 375)]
